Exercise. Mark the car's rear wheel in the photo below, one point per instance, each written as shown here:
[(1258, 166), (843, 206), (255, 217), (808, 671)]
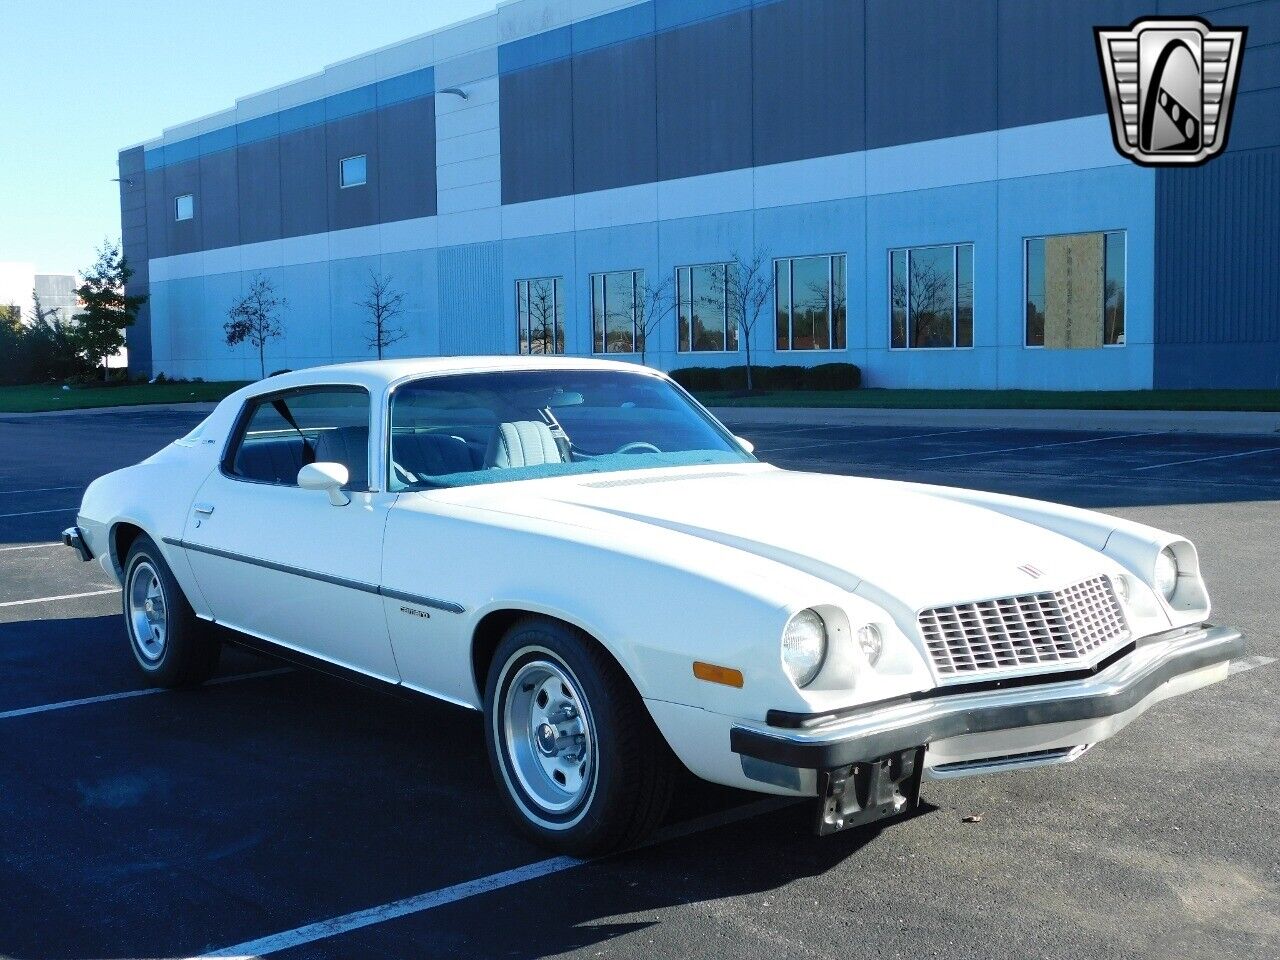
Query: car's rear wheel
[(172, 646), (577, 757)]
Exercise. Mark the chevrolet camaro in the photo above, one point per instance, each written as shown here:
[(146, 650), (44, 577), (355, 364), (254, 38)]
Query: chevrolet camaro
[(579, 550)]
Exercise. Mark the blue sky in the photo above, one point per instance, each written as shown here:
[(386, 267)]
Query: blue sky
[(80, 79)]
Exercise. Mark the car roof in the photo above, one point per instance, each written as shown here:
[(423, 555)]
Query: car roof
[(378, 375)]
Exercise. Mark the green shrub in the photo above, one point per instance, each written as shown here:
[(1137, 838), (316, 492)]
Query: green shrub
[(824, 376)]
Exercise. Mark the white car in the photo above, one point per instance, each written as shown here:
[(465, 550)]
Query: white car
[(581, 551)]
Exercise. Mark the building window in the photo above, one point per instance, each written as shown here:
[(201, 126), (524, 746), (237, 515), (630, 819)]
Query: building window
[(809, 295), (702, 301), (354, 172), (616, 309), (540, 315), (184, 207), (1075, 290), (931, 296)]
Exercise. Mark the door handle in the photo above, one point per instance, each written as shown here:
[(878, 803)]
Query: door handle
[(205, 508)]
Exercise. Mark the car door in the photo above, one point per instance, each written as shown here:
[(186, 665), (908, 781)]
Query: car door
[(285, 564)]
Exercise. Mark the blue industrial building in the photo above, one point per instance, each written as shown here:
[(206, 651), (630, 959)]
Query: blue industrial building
[(933, 183)]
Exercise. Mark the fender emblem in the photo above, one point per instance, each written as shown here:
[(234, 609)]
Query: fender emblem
[(413, 612), (1035, 573)]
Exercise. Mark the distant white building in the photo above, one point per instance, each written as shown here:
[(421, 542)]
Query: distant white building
[(57, 291)]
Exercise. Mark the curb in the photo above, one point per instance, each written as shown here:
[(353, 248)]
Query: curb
[(1137, 421), (195, 406)]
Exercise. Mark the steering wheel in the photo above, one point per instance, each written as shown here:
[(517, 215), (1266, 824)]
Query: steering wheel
[(637, 446)]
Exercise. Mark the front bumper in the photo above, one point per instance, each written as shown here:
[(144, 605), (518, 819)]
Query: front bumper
[(1117, 694)]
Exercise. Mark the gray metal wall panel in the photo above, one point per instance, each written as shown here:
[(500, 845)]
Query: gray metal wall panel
[(218, 201), (807, 82), (258, 169), (180, 179), (1218, 273), (704, 101), (614, 122), (470, 301), (348, 137), (931, 69), (304, 182), (537, 132), (405, 177), (157, 224), (1049, 60), (134, 243)]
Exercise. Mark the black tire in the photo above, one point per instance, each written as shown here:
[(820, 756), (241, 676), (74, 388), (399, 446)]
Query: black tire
[(188, 654), (632, 769)]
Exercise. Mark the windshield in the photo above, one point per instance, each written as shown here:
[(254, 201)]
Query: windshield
[(514, 425)]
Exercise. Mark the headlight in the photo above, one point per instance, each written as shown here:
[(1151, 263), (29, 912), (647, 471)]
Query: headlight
[(1166, 573), (804, 646), (871, 641)]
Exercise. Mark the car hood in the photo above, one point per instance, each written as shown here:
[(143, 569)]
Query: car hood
[(875, 536)]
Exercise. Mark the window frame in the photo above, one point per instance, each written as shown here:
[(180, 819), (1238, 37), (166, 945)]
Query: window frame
[(955, 294), (558, 313), (177, 217), (342, 171), (726, 266), (637, 305), (1026, 286), (235, 437), (791, 308)]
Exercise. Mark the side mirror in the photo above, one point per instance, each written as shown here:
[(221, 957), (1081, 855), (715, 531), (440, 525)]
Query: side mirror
[(329, 477), (746, 444)]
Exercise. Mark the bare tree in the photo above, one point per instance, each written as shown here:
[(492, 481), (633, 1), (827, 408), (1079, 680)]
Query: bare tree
[(255, 318), (383, 304), (925, 304), (749, 284), (657, 302), (544, 334)]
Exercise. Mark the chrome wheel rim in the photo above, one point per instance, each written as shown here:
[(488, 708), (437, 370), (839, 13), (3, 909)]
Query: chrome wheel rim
[(548, 736), (148, 611)]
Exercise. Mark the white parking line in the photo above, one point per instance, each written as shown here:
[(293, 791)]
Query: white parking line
[(1041, 446), (78, 486), (1248, 663), (32, 513), (65, 596), (31, 546), (325, 929), (1224, 456), (128, 694), (830, 443)]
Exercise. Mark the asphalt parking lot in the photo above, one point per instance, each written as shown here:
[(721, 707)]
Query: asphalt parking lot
[(283, 813)]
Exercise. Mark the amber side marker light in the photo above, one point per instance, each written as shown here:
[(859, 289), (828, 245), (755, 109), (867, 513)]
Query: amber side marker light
[(714, 674)]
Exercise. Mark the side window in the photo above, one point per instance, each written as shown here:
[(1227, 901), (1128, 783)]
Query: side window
[(284, 432)]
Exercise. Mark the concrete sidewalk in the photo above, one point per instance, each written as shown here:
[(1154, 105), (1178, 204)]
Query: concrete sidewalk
[(1133, 421)]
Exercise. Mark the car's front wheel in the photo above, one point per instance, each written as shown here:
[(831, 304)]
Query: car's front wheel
[(172, 645), (577, 757)]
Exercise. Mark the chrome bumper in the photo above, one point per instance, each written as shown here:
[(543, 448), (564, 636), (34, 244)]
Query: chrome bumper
[(880, 730), (73, 538)]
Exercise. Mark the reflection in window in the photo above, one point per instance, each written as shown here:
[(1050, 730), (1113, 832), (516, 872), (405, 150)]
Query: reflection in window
[(931, 296), (540, 315), (810, 303), (616, 308), (1076, 290), (354, 171), (703, 308), (184, 207)]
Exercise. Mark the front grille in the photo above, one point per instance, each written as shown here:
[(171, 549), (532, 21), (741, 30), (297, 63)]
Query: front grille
[(1036, 628)]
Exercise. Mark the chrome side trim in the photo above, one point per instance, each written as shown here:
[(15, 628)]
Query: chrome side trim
[(448, 606)]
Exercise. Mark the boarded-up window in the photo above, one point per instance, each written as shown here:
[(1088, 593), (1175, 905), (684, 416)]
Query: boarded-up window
[(1075, 290)]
